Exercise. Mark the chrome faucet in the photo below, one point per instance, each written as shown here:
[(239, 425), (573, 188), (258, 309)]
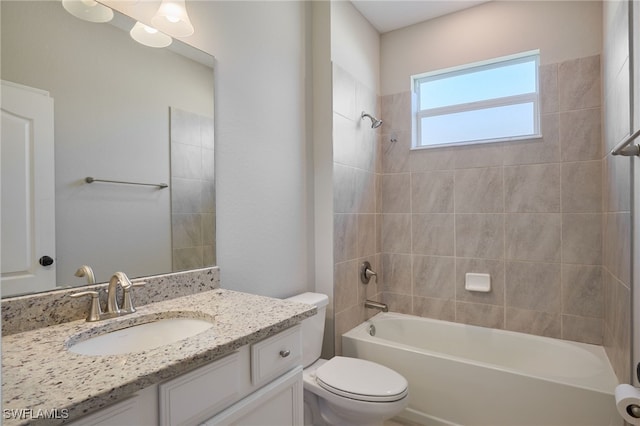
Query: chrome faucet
[(86, 271), (372, 304), (112, 302), (113, 309)]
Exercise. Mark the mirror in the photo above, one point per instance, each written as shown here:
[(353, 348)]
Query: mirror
[(122, 112)]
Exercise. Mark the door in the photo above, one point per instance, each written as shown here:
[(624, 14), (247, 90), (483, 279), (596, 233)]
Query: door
[(27, 218)]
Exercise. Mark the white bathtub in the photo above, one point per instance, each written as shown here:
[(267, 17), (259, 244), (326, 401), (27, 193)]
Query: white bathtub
[(466, 375)]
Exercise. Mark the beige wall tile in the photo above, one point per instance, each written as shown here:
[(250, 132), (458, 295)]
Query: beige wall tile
[(396, 193), (582, 187), (422, 160), (481, 315), (532, 188), (366, 235), (433, 234), (480, 155), (345, 237), (367, 148), (617, 245), (186, 195), (396, 233), (344, 189), (400, 303), (479, 235), (533, 237), (208, 197), (395, 155), (345, 149), (533, 322), (535, 151), (533, 286), (186, 231), (366, 99), (582, 238), (208, 223), (396, 273), (345, 282), (580, 135), (582, 329), (396, 111), (440, 309), (582, 291), (344, 93), (434, 276), (432, 192), (365, 195), (345, 321), (579, 83), (479, 190), (187, 258), (617, 184), (548, 88)]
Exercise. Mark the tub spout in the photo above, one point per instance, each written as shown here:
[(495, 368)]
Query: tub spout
[(372, 304)]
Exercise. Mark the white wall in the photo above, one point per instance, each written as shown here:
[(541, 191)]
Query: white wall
[(262, 162), (560, 29)]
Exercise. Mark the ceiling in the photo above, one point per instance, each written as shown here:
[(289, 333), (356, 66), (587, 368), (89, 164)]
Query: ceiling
[(389, 15)]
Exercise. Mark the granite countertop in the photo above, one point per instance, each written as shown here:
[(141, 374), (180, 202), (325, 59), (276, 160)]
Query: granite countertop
[(39, 373)]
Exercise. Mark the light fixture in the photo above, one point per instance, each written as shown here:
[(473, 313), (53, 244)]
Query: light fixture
[(88, 10), (172, 18), (149, 36)]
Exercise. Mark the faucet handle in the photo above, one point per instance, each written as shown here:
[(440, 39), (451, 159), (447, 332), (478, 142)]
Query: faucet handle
[(127, 303), (366, 273), (95, 313)]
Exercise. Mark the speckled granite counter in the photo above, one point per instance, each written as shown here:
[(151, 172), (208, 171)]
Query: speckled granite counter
[(39, 373)]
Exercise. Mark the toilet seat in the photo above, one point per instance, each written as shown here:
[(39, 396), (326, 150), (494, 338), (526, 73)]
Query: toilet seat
[(361, 380)]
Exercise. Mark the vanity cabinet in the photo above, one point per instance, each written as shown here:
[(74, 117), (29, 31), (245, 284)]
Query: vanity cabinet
[(259, 383)]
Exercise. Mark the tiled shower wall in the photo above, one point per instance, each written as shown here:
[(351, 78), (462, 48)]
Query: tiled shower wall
[(356, 222), (617, 189), (529, 213), (193, 221)]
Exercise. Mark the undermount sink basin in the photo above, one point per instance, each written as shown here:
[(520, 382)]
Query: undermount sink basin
[(141, 337)]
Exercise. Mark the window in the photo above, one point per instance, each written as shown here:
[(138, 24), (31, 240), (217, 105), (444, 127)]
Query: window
[(493, 101)]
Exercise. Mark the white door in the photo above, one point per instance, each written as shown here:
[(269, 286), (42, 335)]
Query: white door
[(27, 226)]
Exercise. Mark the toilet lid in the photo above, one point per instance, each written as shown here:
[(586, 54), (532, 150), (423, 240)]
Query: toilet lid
[(361, 379)]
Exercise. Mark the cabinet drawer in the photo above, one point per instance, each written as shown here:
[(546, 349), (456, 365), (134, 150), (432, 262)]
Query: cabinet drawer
[(198, 395), (275, 355)]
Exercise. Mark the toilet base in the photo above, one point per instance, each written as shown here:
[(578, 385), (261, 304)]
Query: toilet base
[(322, 408)]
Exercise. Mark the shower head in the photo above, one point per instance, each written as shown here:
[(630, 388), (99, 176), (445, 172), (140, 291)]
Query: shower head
[(375, 123)]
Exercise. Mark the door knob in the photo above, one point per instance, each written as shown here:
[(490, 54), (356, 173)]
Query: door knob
[(46, 261)]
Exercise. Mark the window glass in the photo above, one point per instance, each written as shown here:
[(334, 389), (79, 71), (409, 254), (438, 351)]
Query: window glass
[(494, 101)]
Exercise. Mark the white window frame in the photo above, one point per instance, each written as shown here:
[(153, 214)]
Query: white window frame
[(534, 98)]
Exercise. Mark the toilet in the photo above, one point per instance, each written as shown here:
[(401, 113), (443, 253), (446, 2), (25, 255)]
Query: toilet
[(344, 391)]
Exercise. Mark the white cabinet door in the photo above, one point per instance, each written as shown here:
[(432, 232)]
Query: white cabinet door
[(139, 410), (28, 193), (277, 404)]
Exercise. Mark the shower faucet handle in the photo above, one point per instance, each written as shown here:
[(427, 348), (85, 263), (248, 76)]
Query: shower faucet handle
[(366, 273)]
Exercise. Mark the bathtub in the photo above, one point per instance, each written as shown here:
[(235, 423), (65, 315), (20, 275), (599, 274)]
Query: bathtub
[(466, 375)]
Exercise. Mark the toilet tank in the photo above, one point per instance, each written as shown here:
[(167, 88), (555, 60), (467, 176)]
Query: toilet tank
[(312, 327)]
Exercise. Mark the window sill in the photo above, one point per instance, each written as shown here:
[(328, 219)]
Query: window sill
[(478, 142)]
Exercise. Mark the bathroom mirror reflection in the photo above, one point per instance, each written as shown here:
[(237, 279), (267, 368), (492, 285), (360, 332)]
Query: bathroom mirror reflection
[(121, 111)]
